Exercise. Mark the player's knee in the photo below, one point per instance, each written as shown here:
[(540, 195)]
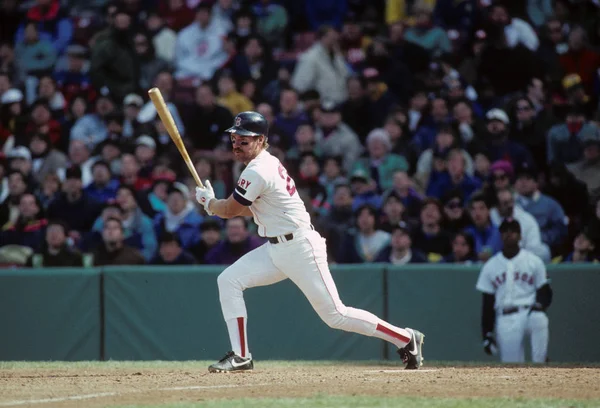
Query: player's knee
[(225, 281), (335, 319)]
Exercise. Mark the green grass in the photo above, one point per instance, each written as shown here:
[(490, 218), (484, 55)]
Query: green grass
[(362, 401)]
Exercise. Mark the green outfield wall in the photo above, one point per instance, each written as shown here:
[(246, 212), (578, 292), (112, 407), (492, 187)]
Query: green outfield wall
[(173, 313)]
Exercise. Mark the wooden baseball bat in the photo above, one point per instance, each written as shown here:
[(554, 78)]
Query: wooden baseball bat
[(167, 120)]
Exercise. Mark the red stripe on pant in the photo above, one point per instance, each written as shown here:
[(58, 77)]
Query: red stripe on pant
[(393, 334), (240, 321)]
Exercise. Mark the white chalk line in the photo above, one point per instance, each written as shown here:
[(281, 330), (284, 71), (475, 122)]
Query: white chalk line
[(113, 394), (401, 371)]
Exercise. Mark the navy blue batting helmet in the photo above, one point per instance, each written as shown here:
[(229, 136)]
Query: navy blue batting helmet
[(249, 124)]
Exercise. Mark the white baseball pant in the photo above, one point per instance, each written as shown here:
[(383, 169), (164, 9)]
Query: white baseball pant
[(303, 260), (513, 329)]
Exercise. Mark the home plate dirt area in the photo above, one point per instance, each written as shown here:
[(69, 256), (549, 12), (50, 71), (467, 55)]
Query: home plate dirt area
[(154, 383)]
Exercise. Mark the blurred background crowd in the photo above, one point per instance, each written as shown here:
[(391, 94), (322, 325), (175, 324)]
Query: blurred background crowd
[(411, 128)]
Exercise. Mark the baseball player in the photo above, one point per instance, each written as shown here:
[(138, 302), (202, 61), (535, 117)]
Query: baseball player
[(516, 294), (294, 250)]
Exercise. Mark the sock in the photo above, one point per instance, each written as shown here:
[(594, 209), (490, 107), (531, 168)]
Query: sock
[(399, 337), (237, 336)]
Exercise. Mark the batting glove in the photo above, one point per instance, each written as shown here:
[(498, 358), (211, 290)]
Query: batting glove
[(489, 345), (204, 195)]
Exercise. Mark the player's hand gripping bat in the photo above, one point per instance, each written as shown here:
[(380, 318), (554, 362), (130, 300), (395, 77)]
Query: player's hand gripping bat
[(167, 120)]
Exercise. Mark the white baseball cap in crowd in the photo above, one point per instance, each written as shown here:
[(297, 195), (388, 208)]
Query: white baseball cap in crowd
[(498, 114), (145, 140), (19, 152), (133, 99), (12, 95)]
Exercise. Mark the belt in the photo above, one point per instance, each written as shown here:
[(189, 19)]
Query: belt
[(284, 238), (515, 309)]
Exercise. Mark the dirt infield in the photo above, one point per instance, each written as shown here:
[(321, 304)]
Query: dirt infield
[(108, 384)]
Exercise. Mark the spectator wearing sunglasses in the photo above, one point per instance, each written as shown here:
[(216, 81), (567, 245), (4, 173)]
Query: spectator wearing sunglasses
[(455, 215)]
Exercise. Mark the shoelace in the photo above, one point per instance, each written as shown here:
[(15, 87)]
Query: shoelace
[(227, 356)]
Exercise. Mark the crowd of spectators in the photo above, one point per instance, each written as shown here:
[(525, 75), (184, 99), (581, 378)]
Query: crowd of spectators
[(412, 128)]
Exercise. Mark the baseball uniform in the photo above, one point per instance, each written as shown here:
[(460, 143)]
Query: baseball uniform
[(515, 283), (294, 250)]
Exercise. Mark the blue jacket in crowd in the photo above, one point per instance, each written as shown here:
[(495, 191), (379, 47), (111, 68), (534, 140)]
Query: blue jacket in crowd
[(443, 184), (188, 231), (488, 238), (102, 195), (549, 215)]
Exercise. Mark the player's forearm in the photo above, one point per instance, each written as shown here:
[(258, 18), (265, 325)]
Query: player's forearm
[(223, 208)]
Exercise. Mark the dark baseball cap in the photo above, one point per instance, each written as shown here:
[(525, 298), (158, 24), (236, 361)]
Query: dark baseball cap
[(510, 225), (73, 172), (249, 124), (401, 226)]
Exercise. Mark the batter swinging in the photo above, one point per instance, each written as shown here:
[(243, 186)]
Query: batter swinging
[(294, 250)]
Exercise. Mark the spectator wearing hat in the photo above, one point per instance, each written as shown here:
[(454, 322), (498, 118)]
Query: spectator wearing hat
[(12, 116), (581, 59), (74, 79), (456, 217), (454, 177), (380, 162), (230, 97), (487, 239), (547, 212), (52, 21), (364, 190), (113, 250), (565, 140), (210, 236), (498, 142), (463, 249), (180, 216), (19, 158), (103, 186), (200, 63), (92, 129), (74, 205), (381, 99), (366, 242), (430, 37), (334, 137), (400, 250), (113, 61), (429, 237), (587, 170), (132, 105), (9, 209), (30, 226), (45, 159), (36, 54), (531, 237), (170, 252), (41, 121), (208, 118), (323, 68), (55, 250), (237, 243), (584, 250), (149, 63), (576, 95)]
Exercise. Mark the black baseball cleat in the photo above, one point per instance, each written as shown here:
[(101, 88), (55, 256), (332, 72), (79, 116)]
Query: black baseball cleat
[(231, 363), (411, 354)]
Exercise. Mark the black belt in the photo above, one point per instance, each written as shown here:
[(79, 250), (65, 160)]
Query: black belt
[(288, 237), (275, 240), (515, 309)]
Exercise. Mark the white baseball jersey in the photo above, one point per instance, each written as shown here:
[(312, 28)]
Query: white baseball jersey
[(513, 281), (270, 192)]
